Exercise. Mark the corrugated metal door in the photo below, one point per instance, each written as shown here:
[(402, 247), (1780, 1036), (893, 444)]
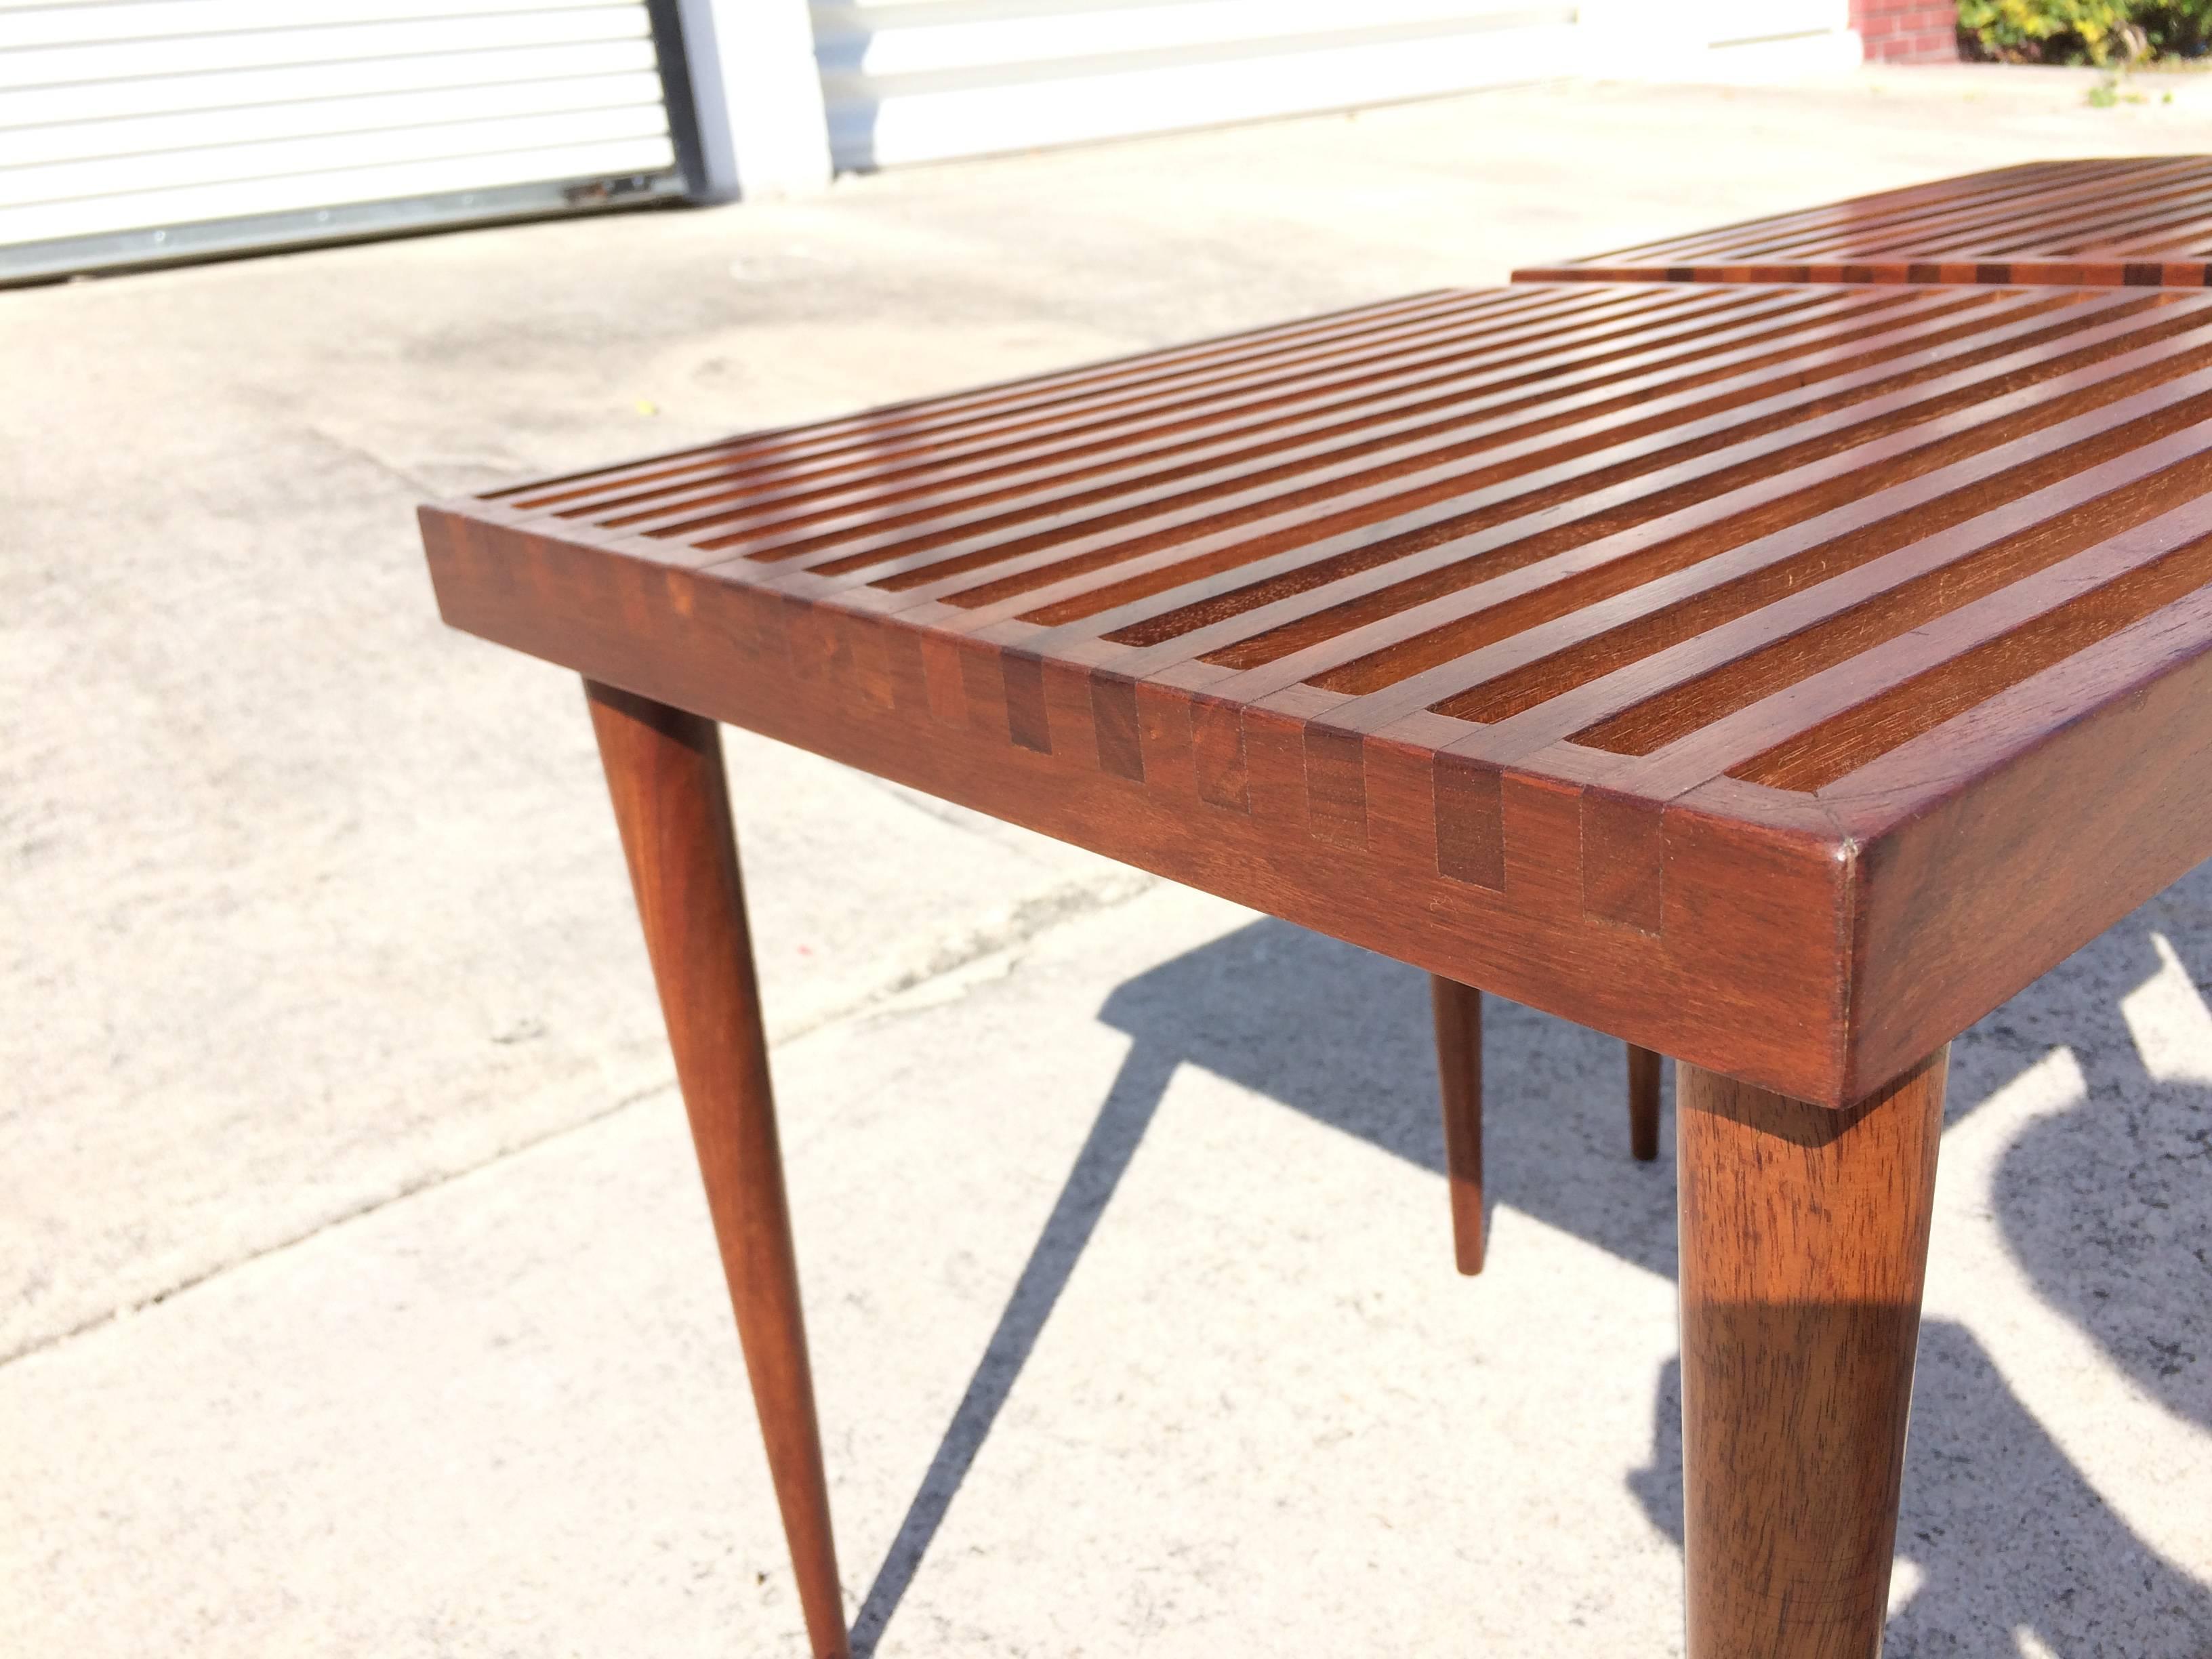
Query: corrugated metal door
[(141, 129), (919, 80)]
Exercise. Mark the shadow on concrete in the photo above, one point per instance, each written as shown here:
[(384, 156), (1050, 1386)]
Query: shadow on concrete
[(1130, 1103), (1343, 1036), (2007, 1546), (2108, 1205)]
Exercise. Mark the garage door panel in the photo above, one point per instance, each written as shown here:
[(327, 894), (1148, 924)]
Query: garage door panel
[(576, 130), (299, 84), (134, 128), (390, 122), (88, 22), (57, 65)]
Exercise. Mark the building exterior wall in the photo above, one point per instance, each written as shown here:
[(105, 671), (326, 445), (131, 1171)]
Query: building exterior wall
[(908, 80), (1907, 31), (209, 136), (758, 96)]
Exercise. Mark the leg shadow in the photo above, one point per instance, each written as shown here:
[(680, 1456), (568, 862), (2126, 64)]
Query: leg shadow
[(2009, 1544), (2108, 1206), (2005, 1531), (1131, 1103), (1343, 1035)]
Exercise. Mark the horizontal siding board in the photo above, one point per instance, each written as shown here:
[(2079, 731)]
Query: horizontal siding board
[(354, 120), (48, 66), (907, 14), (856, 43), (228, 163), (925, 80), (96, 20), (1490, 49), (956, 121), (295, 84)]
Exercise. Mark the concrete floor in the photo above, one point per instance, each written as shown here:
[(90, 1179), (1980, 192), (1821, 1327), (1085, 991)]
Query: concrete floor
[(355, 1294)]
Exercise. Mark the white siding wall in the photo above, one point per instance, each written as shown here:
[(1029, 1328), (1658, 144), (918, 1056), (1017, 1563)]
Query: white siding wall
[(917, 80)]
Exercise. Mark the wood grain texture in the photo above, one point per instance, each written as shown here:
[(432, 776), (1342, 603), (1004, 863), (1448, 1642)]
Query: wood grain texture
[(665, 773), (1804, 1247), (2141, 222), (1639, 653), (1458, 1010)]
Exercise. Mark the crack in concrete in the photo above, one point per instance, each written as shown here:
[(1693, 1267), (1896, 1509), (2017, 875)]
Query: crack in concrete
[(1027, 921), (418, 489)]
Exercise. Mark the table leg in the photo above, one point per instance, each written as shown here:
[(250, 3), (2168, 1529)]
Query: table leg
[(1643, 1103), (1458, 1011), (665, 772), (1804, 1244)]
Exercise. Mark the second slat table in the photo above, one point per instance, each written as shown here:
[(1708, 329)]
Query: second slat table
[(2129, 222)]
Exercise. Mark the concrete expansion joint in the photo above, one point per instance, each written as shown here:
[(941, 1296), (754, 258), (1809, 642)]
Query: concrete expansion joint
[(1020, 925), (406, 1190)]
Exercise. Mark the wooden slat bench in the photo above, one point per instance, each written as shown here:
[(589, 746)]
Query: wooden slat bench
[(1776, 677), (2130, 223)]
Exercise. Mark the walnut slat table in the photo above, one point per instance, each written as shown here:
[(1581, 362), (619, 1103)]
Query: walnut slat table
[(2133, 223), (1775, 677)]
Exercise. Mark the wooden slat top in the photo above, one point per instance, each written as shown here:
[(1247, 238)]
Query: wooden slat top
[(1779, 678), (2134, 222)]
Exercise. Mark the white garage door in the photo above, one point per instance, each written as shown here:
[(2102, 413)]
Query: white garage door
[(917, 80), (142, 128)]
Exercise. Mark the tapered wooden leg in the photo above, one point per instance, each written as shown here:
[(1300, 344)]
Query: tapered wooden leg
[(1804, 1244), (1459, 1068), (665, 771), (1643, 1103)]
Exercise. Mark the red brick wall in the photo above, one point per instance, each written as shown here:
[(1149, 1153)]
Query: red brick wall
[(1908, 31)]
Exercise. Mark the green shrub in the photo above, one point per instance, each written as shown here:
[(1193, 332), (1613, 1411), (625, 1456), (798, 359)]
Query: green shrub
[(2085, 31), (2175, 27), (2050, 31)]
